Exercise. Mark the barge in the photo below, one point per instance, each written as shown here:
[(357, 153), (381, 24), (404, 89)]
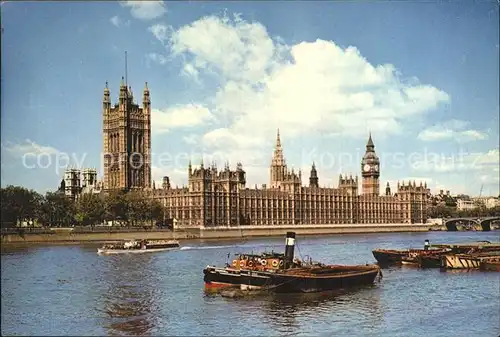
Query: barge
[(469, 261), (388, 257)]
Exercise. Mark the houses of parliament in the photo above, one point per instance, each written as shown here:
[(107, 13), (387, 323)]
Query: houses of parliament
[(220, 197)]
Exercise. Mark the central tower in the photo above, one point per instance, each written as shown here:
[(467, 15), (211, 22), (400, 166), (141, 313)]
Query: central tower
[(127, 140), (278, 165), (370, 170)]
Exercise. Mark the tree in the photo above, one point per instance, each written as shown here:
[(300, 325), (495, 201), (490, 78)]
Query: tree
[(155, 211), (18, 204), (441, 211), (57, 210), (137, 207), (495, 211), (90, 209), (115, 205)]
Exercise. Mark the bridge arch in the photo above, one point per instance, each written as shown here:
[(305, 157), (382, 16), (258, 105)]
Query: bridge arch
[(486, 223), (451, 224)]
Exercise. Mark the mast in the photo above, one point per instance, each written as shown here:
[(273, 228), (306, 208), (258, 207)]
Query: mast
[(126, 82)]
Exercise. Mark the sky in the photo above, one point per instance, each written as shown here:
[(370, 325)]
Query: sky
[(224, 76)]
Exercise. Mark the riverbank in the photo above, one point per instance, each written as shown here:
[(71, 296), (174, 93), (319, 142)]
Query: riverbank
[(214, 233)]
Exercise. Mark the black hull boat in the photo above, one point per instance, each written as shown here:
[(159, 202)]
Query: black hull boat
[(283, 274), (297, 280), (388, 257), (324, 279), (430, 261)]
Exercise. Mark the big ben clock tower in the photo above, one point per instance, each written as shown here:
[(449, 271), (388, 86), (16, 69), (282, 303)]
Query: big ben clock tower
[(370, 170)]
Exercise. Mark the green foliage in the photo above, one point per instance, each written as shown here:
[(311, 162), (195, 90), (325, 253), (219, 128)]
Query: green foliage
[(18, 204), (90, 210), (443, 211), (55, 209), (115, 205)]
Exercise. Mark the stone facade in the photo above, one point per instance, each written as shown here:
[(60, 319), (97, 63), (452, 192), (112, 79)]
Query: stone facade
[(127, 140), (216, 197), (77, 182)]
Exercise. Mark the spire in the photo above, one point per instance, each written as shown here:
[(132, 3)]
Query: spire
[(370, 145), (106, 93), (278, 158), (122, 82), (146, 89), (130, 94)]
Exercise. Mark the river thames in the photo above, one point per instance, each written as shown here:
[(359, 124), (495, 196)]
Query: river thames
[(70, 290)]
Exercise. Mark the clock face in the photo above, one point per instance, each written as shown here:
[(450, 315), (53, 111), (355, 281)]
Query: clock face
[(375, 167), (366, 168)]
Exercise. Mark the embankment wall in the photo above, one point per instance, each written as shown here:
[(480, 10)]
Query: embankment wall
[(210, 233)]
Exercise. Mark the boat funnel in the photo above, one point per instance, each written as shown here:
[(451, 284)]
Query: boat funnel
[(289, 248), (426, 245)]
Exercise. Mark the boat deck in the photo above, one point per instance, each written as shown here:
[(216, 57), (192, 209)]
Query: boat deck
[(491, 245)]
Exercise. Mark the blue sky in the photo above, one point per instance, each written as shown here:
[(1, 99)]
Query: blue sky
[(422, 77)]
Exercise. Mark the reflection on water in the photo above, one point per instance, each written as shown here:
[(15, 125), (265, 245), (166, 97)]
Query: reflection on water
[(129, 300), (70, 290)]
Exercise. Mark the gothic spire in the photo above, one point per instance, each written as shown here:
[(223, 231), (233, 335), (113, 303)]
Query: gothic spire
[(278, 158), (370, 146)]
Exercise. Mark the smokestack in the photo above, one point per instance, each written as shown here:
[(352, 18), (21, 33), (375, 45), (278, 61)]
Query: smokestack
[(426, 245), (289, 248)]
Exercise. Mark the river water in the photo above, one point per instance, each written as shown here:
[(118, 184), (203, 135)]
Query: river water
[(70, 290)]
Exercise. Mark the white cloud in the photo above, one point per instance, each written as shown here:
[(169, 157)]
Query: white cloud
[(145, 10), (157, 58), (184, 116), (191, 139), (309, 87), (161, 32), (453, 129), (116, 21), (177, 177), (458, 163), (29, 146), (190, 71)]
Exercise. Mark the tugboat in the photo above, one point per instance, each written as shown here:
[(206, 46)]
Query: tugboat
[(285, 274), (138, 246)]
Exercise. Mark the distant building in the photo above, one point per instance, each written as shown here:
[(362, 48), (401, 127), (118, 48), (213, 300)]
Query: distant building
[(488, 202), (77, 182), (220, 197), (465, 204), (216, 197)]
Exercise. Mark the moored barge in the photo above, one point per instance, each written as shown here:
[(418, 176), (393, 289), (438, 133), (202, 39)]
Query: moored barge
[(387, 257), (469, 261)]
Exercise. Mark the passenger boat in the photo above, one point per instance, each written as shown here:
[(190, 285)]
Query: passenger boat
[(283, 273), (138, 246)]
